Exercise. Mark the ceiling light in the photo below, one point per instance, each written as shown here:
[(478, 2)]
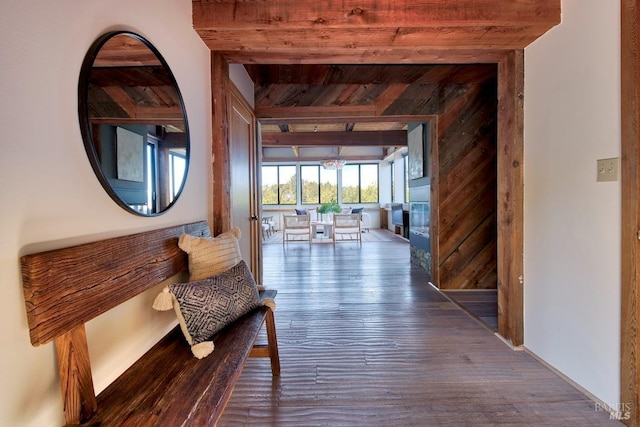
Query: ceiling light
[(333, 163)]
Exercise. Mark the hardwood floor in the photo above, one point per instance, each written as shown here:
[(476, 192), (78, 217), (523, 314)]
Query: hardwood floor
[(480, 303), (366, 341)]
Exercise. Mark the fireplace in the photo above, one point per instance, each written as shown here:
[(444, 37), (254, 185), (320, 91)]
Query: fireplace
[(419, 226)]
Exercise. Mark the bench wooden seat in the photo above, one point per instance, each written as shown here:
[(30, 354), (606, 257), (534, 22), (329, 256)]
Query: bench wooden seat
[(167, 386)]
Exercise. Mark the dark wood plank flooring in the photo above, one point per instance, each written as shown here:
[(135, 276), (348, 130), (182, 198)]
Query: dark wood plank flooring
[(366, 341), (480, 303)]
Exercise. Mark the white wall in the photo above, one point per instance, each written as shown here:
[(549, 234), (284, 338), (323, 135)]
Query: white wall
[(50, 196), (243, 82), (572, 222)]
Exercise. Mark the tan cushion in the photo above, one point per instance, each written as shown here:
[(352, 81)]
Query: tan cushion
[(211, 255)]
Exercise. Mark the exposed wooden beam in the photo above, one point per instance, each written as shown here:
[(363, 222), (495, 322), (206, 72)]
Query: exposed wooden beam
[(351, 139), (511, 198), (221, 177), (323, 111), (147, 120), (292, 14), (299, 119), (630, 188), (145, 115), (359, 40), (380, 55), (354, 159), (355, 26)]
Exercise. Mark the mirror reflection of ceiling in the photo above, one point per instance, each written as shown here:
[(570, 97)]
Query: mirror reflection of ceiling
[(129, 84), (134, 123)]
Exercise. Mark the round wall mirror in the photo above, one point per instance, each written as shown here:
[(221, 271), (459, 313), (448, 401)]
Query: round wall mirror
[(133, 122)]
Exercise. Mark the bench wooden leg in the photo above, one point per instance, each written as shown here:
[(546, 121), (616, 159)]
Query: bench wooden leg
[(271, 349), (273, 343), (75, 376)]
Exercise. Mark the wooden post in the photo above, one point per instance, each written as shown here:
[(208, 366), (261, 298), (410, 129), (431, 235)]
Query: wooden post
[(221, 175), (629, 357), (511, 197)]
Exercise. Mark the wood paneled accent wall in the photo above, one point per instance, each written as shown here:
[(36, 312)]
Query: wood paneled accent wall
[(465, 239), (464, 193)]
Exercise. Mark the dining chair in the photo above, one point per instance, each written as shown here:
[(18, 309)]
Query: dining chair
[(270, 225), (347, 227), (296, 226)]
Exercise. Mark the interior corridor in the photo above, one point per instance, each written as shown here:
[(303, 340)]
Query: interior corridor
[(365, 341)]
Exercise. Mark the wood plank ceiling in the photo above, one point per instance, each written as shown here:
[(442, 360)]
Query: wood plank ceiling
[(312, 61), (377, 98)]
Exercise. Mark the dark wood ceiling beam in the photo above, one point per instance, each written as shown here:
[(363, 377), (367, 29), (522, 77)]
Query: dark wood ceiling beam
[(150, 120), (349, 159), (298, 119), (317, 112), (146, 114), (327, 139)]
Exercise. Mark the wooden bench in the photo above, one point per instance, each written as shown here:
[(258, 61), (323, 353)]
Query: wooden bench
[(167, 386)]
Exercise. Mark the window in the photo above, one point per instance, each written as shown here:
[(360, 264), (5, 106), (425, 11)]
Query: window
[(360, 183), (406, 179), (177, 166), (151, 179), (279, 185), (392, 165), (318, 185)]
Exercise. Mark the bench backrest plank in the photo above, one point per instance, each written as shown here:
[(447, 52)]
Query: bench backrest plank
[(65, 288)]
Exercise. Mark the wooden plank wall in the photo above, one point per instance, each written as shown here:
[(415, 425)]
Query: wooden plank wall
[(466, 233), (467, 190)]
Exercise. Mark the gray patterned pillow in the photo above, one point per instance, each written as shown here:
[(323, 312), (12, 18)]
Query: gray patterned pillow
[(207, 306)]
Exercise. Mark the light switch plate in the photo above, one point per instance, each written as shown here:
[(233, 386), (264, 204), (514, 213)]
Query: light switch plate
[(608, 169)]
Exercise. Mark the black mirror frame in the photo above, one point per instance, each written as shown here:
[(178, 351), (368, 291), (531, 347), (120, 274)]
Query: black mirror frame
[(85, 125)]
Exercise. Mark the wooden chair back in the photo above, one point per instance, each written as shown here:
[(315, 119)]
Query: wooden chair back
[(298, 225), (347, 227)]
